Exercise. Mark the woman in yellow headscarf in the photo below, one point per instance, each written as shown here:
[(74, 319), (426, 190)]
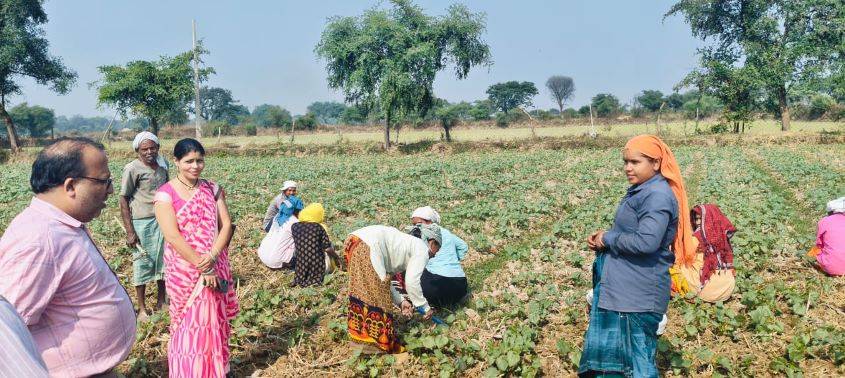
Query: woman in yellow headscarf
[(631, 282), (311, 238)]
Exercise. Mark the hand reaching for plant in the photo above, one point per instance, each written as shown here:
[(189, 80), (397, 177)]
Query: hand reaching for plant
[(407, 308), (428, 314)]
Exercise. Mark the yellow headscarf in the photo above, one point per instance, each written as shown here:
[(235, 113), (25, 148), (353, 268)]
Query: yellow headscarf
[(314, 213)]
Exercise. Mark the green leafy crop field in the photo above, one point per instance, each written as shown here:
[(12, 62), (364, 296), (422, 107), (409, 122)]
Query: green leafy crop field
[(525, 214)]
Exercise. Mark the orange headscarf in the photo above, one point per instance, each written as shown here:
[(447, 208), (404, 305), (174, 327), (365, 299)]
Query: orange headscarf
[(685, 244)]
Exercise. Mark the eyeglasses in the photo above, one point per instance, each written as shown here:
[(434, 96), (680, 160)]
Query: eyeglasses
[(107, 182)]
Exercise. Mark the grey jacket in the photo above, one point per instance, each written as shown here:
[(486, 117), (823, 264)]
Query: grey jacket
[(635, 277), (272, 211)]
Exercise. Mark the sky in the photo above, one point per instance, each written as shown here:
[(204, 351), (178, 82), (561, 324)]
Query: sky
[(263, 50)]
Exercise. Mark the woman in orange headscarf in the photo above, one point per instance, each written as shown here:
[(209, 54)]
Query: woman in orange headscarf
[(631, 283)]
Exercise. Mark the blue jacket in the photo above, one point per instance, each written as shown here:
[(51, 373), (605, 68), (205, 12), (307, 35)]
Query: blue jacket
[(635, 276), (447, 262)]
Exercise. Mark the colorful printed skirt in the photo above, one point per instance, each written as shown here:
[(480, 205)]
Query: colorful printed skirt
[(618, 343), (369, 319)]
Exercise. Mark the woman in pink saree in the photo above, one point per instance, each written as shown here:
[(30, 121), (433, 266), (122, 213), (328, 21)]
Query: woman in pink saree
[(195, 221)]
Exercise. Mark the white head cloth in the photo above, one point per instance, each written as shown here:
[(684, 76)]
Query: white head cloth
[(146, 135), (427, 213), (288, 184), (836, 206)]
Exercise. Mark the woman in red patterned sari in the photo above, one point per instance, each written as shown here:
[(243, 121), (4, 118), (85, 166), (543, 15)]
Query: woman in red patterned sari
[(197, 229)]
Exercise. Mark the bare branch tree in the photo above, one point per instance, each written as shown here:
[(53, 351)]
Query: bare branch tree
[(562, 88)]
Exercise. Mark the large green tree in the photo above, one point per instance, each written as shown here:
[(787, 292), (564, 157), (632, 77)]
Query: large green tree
[(606, 105), (327, 112), (651, 99), (23, 53), (737, 88), (508, 95), (353, 115), (786, 43), (219, 105), (158, 91), (450, 114), (266, 115), (38, 121), (390, 57)]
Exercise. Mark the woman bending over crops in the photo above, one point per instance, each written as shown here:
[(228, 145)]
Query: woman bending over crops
[(443, 280), (631, 282), (314, 251), (373, 254), (829, 250), (197, 230)]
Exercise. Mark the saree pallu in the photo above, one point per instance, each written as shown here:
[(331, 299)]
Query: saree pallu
[(618, 343), (199, 321), (369, 320)]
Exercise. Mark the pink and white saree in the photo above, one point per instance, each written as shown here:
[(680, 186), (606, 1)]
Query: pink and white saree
[(199, 316)]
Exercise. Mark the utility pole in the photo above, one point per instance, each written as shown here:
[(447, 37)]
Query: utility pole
[(197, 104), (592, 126)]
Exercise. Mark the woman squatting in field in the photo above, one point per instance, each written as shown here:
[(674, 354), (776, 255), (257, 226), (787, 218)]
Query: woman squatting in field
[(444, 282), (829, 250)]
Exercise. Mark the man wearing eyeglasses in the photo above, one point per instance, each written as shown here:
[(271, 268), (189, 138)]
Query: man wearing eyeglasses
[(141, 178), (79, 315)]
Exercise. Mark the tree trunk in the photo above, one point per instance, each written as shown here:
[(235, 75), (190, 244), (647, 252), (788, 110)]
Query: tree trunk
[(696, 118), (14, 142), (560, 107), (292, 130), (154, 125), (387, 129), (657, 123), (448, 135), (784, 109)]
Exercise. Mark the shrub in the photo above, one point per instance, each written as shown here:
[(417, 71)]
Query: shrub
[(837, 113), (307, 122), (251, 129), (505, 119), (820, 104), (719, 128), (4, 156), (570, 113), (502, 120), (212, 128)]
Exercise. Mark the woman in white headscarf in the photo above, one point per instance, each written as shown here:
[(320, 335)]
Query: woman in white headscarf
[(444, 282), (829, 250), (372, 255), (277, 249), (288, 190)]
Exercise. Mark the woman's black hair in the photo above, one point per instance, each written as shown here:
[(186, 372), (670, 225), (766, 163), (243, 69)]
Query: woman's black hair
[(186, 146)]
